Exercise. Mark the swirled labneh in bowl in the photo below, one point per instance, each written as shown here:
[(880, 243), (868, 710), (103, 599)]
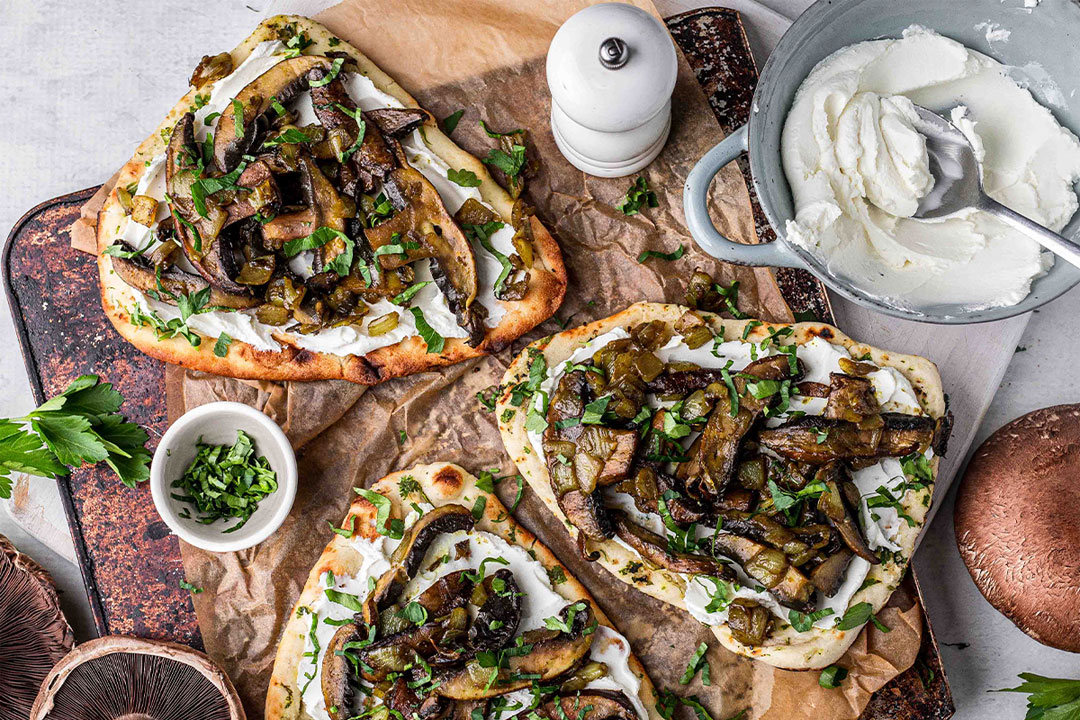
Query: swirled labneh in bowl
[(857, 170)]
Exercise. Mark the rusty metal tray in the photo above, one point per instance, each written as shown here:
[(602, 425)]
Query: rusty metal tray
[(130, 562)]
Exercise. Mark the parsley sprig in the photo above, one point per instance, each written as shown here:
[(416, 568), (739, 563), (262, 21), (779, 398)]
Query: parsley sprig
[(1049, 698), (80, 425)]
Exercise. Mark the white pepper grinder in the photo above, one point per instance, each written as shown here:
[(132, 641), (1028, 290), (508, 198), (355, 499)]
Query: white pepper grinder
[(611, 69)]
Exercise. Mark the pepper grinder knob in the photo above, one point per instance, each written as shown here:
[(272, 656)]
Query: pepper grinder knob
[(613, 53), (611, 69)]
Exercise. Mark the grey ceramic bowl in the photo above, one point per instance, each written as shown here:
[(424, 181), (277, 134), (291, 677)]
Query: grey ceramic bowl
[(1047, 36)]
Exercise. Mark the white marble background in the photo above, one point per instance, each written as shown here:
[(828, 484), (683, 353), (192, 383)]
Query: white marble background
[(85, 82)]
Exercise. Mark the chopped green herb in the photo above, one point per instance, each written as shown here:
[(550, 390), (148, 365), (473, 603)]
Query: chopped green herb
[(335, 69), (408, 293), (238, 118), (341, 264), (463, 177), (392, 528), (639, 195), (1049, 698), (185, 585), (697, 660), (478, 507), (645, 255), (434, 341), (226, 481), (856, 616), (832, 676), (802, 623), (556, 575), (221, 347), (450, 122), (344, 532)]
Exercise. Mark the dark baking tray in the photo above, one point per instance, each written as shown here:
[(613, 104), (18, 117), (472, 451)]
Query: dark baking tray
[(130, 562)]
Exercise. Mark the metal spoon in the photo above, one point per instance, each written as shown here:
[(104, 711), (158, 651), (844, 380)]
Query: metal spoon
[(958, 185)]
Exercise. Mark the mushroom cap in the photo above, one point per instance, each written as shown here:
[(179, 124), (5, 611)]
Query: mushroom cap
[(34, 634), (135, 679), (1016, 523)]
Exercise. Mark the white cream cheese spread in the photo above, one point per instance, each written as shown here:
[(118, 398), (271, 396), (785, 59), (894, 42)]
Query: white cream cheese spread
[(857, 169), (819, 358), (539, 601), (345, 340)]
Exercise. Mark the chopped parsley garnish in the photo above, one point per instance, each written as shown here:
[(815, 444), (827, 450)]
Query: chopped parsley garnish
[(565, 626), (803, 622), (858, 615), (510, 163), (639, 195), (556, 575), (225, 482), (344, 532), (594, 411), (450, 122), (434, 341), (463, 177), (335, 69), (407, 294), (478, 507), (697, 661), (221, 347), (1049, 698), (291, 136), (645, 255), (238, 118), (185, 585), (832, 676), (342, 262), (392, 528)]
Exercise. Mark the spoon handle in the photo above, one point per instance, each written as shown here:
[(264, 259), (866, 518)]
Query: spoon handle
[(1059, 245)]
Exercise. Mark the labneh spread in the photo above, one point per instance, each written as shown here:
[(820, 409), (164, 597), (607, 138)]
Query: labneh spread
[(857, 169)]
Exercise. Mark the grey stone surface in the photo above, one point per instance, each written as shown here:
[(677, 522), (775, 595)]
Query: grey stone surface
[(85, 82)]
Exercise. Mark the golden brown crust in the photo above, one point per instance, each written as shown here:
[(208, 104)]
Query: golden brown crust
[(442, 483), (547, 282), (787, 649)]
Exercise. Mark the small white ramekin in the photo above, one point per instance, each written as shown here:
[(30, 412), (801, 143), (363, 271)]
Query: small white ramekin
[(216, 423)]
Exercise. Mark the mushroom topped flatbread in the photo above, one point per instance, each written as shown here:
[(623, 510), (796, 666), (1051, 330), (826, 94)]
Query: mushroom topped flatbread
[(431, 602), (770, 479), (298, 216)]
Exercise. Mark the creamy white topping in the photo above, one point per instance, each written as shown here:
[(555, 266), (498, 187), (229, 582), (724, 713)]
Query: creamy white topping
[(346, 340), (539, 601), (820, 358), (857, 169)]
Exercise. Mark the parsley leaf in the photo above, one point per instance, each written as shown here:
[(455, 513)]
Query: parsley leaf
[(221, 347), (856, 616), (697, 660), (1057, 698), (81, 424), (185, 585), (510, 163), (637, 196), (450, 122), (341, 264), (463, 177), (384, 525), (435, 342), (802, 623), (832, 676), (335, 69), (645, 255)]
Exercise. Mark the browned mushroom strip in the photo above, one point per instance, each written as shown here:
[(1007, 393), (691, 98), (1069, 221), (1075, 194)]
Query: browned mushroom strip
[(839, 513), (829, 575), (337, 690), (262, 194), (139, 274), (819, 440), (552, 654), (851, 398), (280, 83), (654, 548), (587, 705), (774, 367), (397, 122), (210, 253)]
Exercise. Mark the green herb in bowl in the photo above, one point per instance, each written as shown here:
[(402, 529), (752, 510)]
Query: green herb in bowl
[(225, 482)]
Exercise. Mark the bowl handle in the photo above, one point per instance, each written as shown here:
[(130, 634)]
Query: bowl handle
[(696, 207)]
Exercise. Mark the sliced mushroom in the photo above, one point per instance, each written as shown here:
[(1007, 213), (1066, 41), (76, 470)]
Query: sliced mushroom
[(818, 440), (851, 398), (409, 554), (335, 675), (262, 196), (397, 122), (328, 206), (769, 567), (551, 653), (500, 612), (140, 274), (829, 575), (387, 590), (211, 253), (403, 700), (447, 593), (773, 367), (654, 548), (714, 455), (440, 641), (763, 529), (282, 83), (586, 705), (833, 505)]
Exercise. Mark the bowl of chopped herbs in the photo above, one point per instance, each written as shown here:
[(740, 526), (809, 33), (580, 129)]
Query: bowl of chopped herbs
[(223, 477)]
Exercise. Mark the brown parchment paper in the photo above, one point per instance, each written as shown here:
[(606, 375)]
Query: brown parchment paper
[(487, 57)]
